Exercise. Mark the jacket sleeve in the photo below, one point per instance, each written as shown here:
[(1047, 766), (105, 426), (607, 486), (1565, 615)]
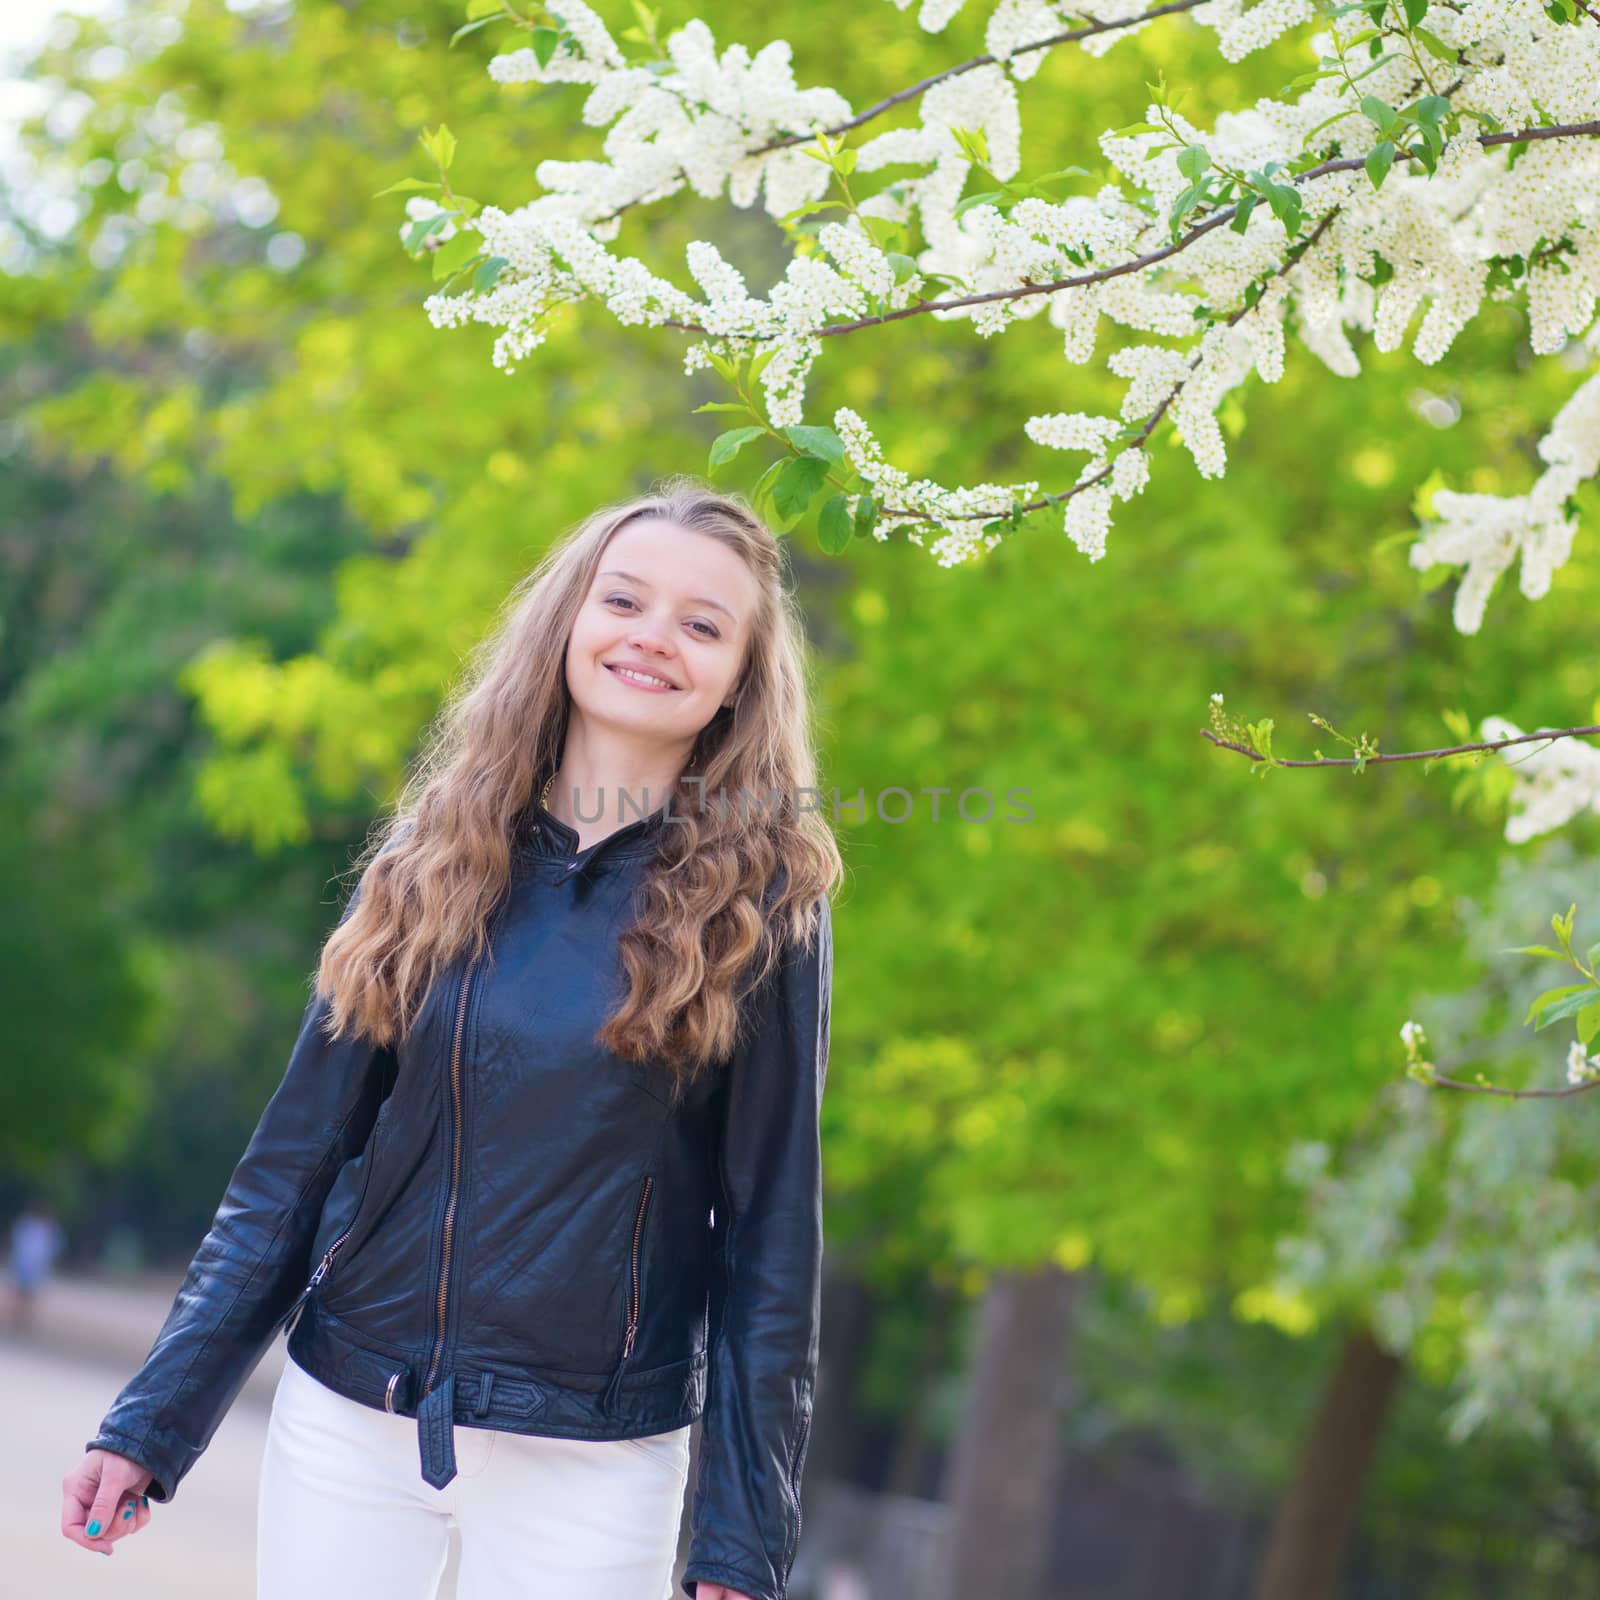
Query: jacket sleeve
[(763, 1361), (253, 1262)]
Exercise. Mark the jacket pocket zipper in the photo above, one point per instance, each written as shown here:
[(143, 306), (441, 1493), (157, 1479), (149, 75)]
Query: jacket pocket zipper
[(638, 1229), (292, 1314), (632, 1330)]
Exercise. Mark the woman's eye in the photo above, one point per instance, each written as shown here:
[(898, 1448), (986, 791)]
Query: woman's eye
[(704, 628)]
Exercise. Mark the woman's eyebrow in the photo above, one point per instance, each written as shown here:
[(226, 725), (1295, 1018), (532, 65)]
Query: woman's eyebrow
[(694, 599)]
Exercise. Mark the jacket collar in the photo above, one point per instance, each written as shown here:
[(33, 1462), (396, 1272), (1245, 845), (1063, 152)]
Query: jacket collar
[(546, 837)]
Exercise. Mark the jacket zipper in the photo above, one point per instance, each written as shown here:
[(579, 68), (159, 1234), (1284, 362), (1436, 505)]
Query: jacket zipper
[(289, 1317), (608, 1398), (633, 1313), (455, 1172), (794, 1491)]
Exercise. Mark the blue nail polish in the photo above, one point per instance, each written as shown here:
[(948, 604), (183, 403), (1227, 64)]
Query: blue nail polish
[(127, 1513), (94, 1528)]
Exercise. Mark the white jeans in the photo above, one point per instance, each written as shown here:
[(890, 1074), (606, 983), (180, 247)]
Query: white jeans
[(344, 1512)]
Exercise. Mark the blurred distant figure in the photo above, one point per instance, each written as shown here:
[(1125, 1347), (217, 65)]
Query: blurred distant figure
[(36, 1240)]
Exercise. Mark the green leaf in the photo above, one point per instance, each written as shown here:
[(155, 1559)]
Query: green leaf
[(1184, 202), (1415, 10), (727, 445), (455, 254), (1436, 46), (1570, 1007), (406, 183), (811, 206), (973, 143), (472, 27), (1556, 994), (866, 516), (441, 145), (724, 366), (1380, 158), (979, 200), (488, 272), (760, 494), (816, 441), (797, 484), (834, 527), (1285, 202), (889, 236), (1589, 1023), (1193, 160), (424, 229), (1241, 218), (744, 410), (759, 363), (904, 266), (1380, 112), (544, 43)]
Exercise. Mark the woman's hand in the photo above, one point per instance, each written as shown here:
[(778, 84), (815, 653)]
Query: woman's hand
[(104, 1492)]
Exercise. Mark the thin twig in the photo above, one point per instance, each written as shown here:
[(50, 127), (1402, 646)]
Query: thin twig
[(1512, 1094), (1544, 736)]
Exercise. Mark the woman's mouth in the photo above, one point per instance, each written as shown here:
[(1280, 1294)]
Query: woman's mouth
[(641, 680)]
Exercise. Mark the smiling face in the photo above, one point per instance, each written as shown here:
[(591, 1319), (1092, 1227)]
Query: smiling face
[(659, 640)]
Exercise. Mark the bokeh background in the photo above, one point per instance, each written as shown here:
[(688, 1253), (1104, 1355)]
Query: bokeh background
[(1150, 1273)]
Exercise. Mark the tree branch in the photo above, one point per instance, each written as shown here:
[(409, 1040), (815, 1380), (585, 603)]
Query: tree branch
[(1585, 130), (1544, 736), (913, 91)]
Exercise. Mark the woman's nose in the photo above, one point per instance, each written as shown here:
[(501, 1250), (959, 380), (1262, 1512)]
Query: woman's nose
[(649, 635)]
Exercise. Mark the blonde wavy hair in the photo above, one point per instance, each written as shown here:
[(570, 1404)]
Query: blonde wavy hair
[(729, 882)]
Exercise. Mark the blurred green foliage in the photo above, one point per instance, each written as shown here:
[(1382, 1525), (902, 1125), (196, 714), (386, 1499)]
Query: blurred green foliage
[(286, 506)]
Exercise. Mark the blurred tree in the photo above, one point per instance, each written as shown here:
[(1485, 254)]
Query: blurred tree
[(1091, 1034)]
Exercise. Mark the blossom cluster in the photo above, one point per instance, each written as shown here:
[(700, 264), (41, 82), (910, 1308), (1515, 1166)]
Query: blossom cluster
[(1485, 533), (1412, 259), (1581, 1066), (1553, 782)]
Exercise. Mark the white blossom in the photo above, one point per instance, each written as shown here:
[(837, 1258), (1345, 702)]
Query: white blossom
[(1407, 263), (1553, 782), (1581, 1066)]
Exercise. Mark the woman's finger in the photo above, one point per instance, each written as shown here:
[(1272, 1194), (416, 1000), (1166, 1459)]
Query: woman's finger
[(126, 1519), (78, 1490)]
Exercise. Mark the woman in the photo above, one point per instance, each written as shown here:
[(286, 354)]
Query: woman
[(541, 1184)]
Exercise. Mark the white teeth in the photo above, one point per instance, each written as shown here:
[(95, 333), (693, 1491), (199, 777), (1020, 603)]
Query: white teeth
[(639, 677)]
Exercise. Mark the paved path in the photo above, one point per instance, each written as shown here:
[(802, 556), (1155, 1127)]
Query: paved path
[(202, 1544), (56, 1383)]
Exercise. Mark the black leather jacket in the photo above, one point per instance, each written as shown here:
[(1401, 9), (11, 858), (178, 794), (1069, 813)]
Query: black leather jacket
[(500, 1224)]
